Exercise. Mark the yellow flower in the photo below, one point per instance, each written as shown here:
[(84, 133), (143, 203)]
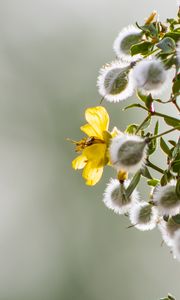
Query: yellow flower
[(94, 148)]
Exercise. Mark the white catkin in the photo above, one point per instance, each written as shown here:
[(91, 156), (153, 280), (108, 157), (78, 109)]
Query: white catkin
[(142, 223), (161, 197), (115, 202), (126, 38), (128, 152), (109, 85), (150, 76)]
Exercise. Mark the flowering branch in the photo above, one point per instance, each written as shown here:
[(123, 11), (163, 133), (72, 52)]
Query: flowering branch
[(145, 55)]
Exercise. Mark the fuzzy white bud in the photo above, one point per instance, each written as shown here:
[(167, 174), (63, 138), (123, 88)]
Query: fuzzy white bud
[(143, 216), (115, 81), (115, 197), (127, 37), (168, 229), (128, 152), (166, 199), (150, 76)]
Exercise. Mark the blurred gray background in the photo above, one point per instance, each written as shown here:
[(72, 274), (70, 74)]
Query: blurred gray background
[(57, 239)]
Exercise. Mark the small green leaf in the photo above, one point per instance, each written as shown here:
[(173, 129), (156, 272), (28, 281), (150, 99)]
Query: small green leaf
[(149, 101), (153, 182), (145, 172), (178, 188), (131, 129), (131, 106), (176, 85), (134, 182), (150, 29), (153, 144), (167, 45), (141, 96), (171, 121), (170, 297), (164, 147), (176, 219), (176, 166), (164, 179), (143, 48), (174, 35), (176, 151), (173, 143), (156, 128)]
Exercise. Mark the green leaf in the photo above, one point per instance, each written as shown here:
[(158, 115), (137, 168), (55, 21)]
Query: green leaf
[(134, 182), (176, 151), (173, 143), (178, 188), (176, 219), (131, 106), (150, 29), (171, 121), (170, 297), (145, 172), (164, 147), (143, 48), (131, 129), (153, 182), (156, 128), (141, 96), (174, 35), (167, 45), (153, 144), (176, 166), (149, 101), (176, 85), (164, 179)]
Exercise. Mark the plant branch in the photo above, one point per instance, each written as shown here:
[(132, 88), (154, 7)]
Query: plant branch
[(143, 122), (152, 166), (163, 133)]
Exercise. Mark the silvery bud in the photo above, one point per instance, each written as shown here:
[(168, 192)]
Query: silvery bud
[(128, 152)]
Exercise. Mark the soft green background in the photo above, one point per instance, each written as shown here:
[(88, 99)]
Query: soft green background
[(57, 239)]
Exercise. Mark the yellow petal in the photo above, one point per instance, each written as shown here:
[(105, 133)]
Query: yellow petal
[(115, 132), (96, 153), (79, 162), (98, 118), (88, 129), (92, 174)]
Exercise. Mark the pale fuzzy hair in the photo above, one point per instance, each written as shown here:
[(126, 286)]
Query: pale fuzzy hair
[(160, 191), (131, 29), (107, 198), (167, 235), (116, 144), (140, 75), (127, 92), (134, 216)]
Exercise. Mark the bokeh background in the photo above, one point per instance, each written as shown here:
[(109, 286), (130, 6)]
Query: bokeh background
[(57, 239)]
